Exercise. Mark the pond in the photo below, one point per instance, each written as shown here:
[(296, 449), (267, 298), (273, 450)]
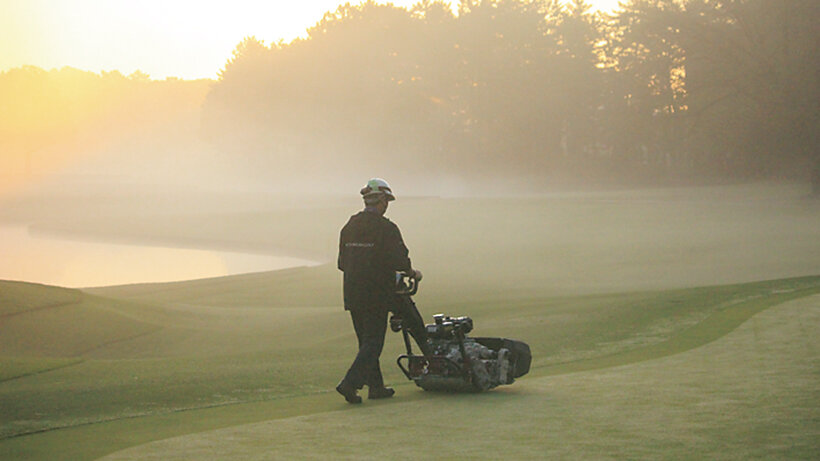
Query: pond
[(71, 263)]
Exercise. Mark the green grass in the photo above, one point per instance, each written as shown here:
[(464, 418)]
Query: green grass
[(745, 396), (19, 298), (591, 282), (128, 402), (13, 368)]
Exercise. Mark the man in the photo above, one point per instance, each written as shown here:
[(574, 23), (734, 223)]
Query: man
[(371, 251)]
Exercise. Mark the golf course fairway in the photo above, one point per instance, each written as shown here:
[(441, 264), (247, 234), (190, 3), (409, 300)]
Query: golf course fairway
[(749, 395), (664, 324)]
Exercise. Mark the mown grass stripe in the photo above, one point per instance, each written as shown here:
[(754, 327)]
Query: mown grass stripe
[(91, 440), (710, 329), (10, 367)]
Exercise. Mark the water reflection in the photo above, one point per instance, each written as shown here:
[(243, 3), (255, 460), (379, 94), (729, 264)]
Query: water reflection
[(76, 264)]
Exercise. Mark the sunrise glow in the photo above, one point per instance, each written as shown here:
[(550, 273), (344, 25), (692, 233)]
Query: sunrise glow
[(184, 39)]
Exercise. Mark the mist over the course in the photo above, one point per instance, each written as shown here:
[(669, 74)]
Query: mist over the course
[(627, 194)]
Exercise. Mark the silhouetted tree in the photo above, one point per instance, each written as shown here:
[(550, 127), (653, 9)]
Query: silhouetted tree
[(753, 78), (659, 89)]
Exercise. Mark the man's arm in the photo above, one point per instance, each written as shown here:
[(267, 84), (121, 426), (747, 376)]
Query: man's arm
[(340, 263), (397, 252)]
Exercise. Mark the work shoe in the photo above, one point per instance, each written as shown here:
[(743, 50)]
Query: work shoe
[(349, 393), (380, 393)]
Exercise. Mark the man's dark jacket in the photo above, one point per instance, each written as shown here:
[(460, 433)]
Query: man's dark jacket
[(371, 250)]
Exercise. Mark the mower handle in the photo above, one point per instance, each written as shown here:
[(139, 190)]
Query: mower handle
[(406, 284)]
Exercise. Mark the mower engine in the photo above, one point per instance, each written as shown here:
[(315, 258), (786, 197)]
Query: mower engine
[(459, 363)]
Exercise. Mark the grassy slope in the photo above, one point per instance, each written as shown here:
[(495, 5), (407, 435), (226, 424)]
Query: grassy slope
[(18, 298), (152, 361), (156, 398), (45, 328), (745, 396)]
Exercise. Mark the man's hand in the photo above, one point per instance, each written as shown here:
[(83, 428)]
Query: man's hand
[(417, 274)]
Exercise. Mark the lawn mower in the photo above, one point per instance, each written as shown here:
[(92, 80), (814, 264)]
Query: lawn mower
[(456, 362)]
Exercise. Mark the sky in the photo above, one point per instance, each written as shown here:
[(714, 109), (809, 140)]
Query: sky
[(163, 38)]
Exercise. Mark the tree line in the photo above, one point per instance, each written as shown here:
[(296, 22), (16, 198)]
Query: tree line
[(658, 91)]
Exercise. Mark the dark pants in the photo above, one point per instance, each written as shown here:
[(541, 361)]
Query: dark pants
[(370, 326)]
